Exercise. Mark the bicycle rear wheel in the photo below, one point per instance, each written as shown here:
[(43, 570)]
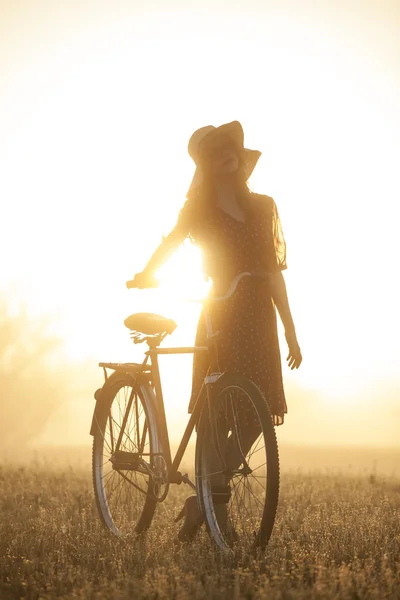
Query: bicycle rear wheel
[(124, 490), (237, 465)]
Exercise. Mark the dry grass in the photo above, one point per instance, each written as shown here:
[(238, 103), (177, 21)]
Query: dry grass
[(337, 536)]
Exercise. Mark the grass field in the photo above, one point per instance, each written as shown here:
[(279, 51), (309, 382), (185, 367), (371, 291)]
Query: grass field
[(337, 535)]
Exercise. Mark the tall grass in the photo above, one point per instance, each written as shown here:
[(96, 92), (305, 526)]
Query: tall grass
[(336, 536)]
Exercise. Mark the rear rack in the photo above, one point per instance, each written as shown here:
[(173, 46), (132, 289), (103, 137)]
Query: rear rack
[(131, 367)]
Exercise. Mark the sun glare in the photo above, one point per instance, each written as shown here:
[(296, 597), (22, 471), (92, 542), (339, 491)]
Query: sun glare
[(96, 169), (182, 278)]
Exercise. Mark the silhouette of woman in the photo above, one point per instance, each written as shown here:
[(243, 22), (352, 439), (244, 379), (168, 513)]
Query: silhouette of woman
[(237, 230)]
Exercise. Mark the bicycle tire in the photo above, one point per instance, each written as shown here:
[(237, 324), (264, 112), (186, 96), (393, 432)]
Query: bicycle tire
[(217, 483), (137, 508)]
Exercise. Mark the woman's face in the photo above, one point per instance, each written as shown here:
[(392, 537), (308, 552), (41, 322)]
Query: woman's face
[(221, 156)]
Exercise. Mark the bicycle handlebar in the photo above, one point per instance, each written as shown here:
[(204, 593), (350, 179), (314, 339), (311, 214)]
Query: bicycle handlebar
[(132, 284), (235, 283)]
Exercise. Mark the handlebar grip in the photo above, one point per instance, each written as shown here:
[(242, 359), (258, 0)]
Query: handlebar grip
[(141, 285)]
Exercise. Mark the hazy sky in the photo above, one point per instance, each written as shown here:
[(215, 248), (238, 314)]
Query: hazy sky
[(97, 103)]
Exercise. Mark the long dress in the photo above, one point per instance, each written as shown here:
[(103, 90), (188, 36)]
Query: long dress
[(248, 341)]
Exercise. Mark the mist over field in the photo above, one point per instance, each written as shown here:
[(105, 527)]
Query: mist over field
[(47, 396), (32, 385), (39, 384)]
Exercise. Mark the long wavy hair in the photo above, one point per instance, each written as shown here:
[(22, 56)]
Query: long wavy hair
[(201, 201)]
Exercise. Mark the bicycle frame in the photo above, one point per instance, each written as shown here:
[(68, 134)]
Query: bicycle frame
[(173, 463), (152, 374)]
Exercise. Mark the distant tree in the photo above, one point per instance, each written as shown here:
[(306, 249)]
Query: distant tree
[(32, 381)]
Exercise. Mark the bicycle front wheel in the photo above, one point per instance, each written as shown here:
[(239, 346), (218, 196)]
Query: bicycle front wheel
[(237, 465), (124, 489)]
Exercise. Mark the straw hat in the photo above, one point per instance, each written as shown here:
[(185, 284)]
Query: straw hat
[(234, 130)]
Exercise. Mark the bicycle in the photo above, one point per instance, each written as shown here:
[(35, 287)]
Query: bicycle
[(236, 464)]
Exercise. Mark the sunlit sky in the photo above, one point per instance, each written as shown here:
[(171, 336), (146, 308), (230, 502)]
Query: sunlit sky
[(97, 103)]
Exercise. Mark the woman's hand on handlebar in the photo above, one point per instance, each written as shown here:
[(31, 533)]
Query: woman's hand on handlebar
[(142, 280)]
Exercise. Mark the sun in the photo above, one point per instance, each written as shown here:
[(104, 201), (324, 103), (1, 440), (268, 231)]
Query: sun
[(181, 278)]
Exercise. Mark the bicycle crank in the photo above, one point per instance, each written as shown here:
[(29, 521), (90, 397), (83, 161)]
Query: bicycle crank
[(160, 479)]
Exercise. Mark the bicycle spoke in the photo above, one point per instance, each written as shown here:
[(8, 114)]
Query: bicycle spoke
[(107, 444), (254, 496), (259, 467), (110, 475), (130, 418), (132, 483), (255, 449), (143, 439), (109, 496), (260, 484), (111, 433), (254, 452), (137, 424), (206, 476), (133, 445)]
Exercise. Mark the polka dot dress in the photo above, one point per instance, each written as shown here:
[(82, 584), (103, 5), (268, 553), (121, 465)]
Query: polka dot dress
[(248, 342)]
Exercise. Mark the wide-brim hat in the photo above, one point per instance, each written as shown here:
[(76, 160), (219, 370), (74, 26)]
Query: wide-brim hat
[(233, 130)]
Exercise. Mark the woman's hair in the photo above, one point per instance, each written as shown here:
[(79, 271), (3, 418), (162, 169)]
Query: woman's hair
[(201, 201)]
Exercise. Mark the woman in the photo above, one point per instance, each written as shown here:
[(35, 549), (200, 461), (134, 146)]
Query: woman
[(237, 231)]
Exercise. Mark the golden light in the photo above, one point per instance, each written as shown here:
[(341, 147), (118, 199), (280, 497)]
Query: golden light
[(95, 169)]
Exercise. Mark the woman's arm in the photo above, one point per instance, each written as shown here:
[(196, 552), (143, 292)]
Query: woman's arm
[(167, 247), (164, 251), (280, 297), (275, 261)]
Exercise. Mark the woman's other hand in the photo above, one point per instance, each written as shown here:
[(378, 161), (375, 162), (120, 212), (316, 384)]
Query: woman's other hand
[(294, 357)]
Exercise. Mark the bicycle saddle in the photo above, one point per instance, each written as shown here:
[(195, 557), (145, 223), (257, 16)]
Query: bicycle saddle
[(150, 324)]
